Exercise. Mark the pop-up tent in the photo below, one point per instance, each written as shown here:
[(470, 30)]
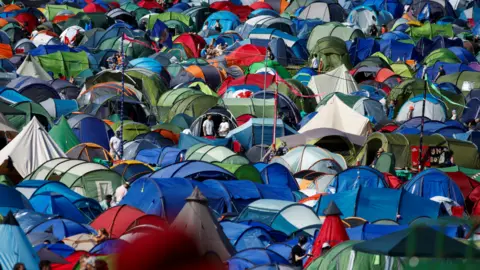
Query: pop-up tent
[(338, 80)]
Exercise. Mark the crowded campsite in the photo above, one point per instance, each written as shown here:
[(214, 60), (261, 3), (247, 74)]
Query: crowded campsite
[(241, 134)]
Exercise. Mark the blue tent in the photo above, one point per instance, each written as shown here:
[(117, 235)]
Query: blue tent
[(33, 88), (59, 107), (12, 96), (60, 249), (395, 7), (395, 50), (374, 204), (449, 68), (12, 200), (90, 129), (110, 246), (361, 48), (166, 197), (55, 204), (463, 54), (371, 231), (250, 133), (356, 177), (61, 228), (447, 129), (236, 194), (276, 174), (263, 11), (15, 246), (263, 36), (245, 236), (160, 157), (433, 182), (89, 207), (227, 19), (152, 65), (396, 35), (425, 46), (195, 170), (48, 49), (250, 258)]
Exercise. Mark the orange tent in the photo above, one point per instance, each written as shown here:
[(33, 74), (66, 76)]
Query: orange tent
[(278, 5), (5, 51), (3, 22), (384, 74), (167, 134), (11, 7), (62, 18)]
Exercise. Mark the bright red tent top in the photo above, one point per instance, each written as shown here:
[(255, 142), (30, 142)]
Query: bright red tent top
[(149, 220), (241, 11), (332, 232), (149, 4), (72, 261), (28, 18), (246, 55), (93, 7), (116, 220), (392, 180), (388, 128), (465, 183), (244, 118), (193, 41), (259, 80), (259, 5)]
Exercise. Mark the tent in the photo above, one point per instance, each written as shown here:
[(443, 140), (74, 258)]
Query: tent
[(55, 204), (12, 200), (337, 115), (276, 174), (338, 79), (396, 205), (63, 135), (356, 177), (243, 171), (116, 220), (243, 236), (332, 51), (327, 12), (90, 129), (90, 152), (131, 170), (160, 157), (335, 30), (287, 217), (209, 153), (364, 16), (33, 142), (435, 109), (197, 220), (21, 251), (196, 170)]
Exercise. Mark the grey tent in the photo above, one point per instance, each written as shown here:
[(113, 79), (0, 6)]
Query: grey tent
[(196, 220), (332, 210)]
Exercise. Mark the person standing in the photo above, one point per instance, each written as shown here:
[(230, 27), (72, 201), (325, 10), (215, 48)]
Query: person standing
[(441, 72), (298, 253), (107, 202), (121, 191), (224, 128), (115, 144), (208, 126)]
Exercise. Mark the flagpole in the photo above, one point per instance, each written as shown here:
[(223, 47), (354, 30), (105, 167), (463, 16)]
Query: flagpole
[(275, 113), (122, 97), (422, 124), (264, 102)]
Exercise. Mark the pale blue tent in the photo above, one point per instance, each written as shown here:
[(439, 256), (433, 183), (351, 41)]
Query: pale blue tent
[(55, 204), (12, 200)]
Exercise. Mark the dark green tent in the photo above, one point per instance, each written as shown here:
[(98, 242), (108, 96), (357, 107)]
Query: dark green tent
[(418, 241), (63, 135), (333, 52)]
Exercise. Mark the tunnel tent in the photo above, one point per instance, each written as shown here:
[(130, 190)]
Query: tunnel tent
[(90, 152), (131, 129), (169, 98), (169, 16), (210, 153), (332, 29), (193, 106), (217, 113), (242, 171), (297, 92), (333, 52)]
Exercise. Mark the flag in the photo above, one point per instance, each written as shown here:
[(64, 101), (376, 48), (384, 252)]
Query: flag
[(438, 92), (161, 34)]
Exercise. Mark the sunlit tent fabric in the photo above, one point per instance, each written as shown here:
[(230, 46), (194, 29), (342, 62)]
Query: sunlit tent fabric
[(356, 177), (259, 107), (91, 180), (53, 10), (250, 133), (33, 142), (169, 16), (332, 51), (193, 106), (433, 182), (242, 171), (338, 80), (196, 170), (310, 157), (280, 216), (460, 79), (63, 135), (396, 205), (440, 55), (337, 115), (434, 109), (335, 30), (66, 63), (34, 89), (243, 236), (211, 153), (364, 16), (196, 219), (12, 200), (327, 12), (57, 108), (131, 129), (117, 219), (56, 204), (16, 247), (431, 30), (228, 20)]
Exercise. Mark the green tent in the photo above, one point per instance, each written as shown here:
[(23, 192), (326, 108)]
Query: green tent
[(459, 78), (5, 180), (193, 106), (332, 29), (69, 64), (282, 71), (418, 241), (296, 91), (441, 55), (211, 153), (30, 109), (168, 126), (386, 163), (204, 88), (333, 52), (261, 108), (243, 171), (430, 30), (167, 99), (63, 135), (410, 88), (131, 129), (383, 57), (131, 49), (52, 10), (199, 15), (169, 16), (96, 20), (349, 100), (178, 51), (403, 70), (14, 32)]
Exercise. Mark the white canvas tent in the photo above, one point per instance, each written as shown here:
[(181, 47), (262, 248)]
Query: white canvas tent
[(337, 80), (31, 67), (31, 148), (337, 115)]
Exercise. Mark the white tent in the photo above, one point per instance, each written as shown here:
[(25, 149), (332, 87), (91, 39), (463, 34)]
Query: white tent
[(31, 148), (337, 80), (31, 67), (337, 115)]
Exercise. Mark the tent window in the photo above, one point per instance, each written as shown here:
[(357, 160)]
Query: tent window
[(103, 188)]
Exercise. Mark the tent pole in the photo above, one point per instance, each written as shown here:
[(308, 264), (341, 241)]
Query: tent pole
[(275, 117), (422, 124), (122, 97), (264, 102)]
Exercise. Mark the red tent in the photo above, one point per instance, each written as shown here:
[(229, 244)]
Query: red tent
[(93, 7), (393, 181), (259, 5), (465, 183), (259, 80), (72, 261), (117, 219), (244, 118), (149, 4), (241, 11), (149, 220), (388, 128), (28, 20), (332, 232), (246, 55), (193, 41)]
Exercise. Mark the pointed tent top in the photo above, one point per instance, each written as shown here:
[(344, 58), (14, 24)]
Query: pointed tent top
[(332, 210), (10, 219), (197, 196)]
